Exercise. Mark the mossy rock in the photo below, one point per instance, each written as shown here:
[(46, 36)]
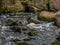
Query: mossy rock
[(32, 33), (34, 21)]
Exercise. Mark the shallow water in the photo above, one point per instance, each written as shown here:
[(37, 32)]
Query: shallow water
[(46, 32)]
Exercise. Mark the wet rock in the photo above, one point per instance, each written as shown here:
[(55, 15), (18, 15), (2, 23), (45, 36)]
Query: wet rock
[(32, 33), (31, 25), (13, 25), (47, 16), (34, 21)]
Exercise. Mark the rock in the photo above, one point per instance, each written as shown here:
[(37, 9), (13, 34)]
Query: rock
[(32, 33), (13, 25), (30, 25), (57, 17), (45, 15), (34, 21)]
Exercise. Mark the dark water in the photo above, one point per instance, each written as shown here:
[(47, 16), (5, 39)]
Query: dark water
[(46, 31)]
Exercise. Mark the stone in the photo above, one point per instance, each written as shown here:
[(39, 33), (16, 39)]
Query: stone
[(45, 15), (13, 25), (34, 21), (30, 25)]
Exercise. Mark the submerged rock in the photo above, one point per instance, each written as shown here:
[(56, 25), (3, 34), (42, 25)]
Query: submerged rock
[(45, 15), (32, 33), (13, 25), (24, 43), (34, 20)]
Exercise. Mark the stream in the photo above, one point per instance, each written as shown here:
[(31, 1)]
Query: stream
[(46, 31)]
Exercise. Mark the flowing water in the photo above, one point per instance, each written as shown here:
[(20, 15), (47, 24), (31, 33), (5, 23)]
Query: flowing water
[(46, 31)]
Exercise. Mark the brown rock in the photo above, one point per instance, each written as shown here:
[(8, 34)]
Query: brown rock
[(45, 15)]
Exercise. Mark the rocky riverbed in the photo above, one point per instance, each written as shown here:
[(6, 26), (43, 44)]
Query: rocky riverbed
[(42, 33)]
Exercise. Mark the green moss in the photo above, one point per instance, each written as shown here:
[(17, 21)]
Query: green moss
[(58, 38)]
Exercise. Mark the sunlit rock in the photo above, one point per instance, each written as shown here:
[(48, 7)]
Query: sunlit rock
[(45, 15), (30, 25)]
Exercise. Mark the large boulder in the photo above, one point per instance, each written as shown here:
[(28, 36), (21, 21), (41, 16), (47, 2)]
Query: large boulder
[(45, 15)]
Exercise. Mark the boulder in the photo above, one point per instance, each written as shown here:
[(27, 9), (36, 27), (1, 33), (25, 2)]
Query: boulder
[(13, 25), (45, 15)]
